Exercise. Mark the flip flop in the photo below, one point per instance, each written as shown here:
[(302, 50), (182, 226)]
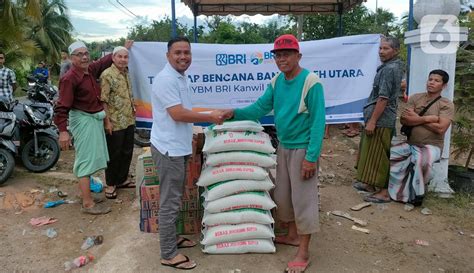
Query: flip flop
[(360, 186), (181, 243), (373, 199), (177, 264), (297, 266), (127, 185), (111, 195), (361, 206)]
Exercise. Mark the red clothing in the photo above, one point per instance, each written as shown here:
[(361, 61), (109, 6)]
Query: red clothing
[(80, 91)]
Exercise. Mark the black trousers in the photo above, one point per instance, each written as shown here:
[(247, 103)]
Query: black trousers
[(120, 146)]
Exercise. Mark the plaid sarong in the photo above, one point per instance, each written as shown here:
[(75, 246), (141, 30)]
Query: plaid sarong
[(410, 170), (373, 162)]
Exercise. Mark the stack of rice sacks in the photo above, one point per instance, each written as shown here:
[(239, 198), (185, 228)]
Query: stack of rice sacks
[(237, 204)]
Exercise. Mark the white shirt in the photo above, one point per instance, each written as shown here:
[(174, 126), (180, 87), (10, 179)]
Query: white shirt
[(170, 88)]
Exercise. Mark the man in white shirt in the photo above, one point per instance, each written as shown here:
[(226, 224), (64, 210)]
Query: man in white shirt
[(171, 139)]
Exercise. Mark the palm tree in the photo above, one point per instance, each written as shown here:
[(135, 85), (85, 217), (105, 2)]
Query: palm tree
[(51, 32), (13, 33)]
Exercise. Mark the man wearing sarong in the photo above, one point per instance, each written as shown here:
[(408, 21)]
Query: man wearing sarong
[(171, 145), (412, 161), (380, 114), (80, 108), (119, 121), (297, 98)]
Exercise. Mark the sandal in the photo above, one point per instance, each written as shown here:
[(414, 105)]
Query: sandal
[(361, 187), (182, 243), (297, 266), (373, 199), (111, 195), (97, 209), (127, 185), (177, 264)]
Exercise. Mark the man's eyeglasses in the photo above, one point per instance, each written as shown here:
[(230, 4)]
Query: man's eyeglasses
[(81, 54)]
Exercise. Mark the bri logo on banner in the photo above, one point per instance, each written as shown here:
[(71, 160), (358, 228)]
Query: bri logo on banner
[(256, 58)]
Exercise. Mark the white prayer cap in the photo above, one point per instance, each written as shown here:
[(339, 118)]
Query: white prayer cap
[(118, 48), (76, 45)]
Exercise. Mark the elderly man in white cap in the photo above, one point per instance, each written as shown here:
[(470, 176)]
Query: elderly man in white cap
[(80, 107), (119, 121)]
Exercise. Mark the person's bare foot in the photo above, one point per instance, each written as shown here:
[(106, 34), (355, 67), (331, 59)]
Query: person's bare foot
[(285, 240), (180, 261)]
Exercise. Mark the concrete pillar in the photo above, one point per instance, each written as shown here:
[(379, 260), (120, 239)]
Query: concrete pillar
[(433, 46)]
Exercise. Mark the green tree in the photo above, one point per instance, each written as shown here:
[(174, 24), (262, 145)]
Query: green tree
[(14, 31), (33, 30), (359, 20), (463, 127), (51, 31), (158, 31)]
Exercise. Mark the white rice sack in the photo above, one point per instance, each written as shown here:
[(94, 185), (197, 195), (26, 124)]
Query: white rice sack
[(237, 141), (232, 233), (244, 200), (211, 175), (240, 158), (239, 216), (227, 188), (239, 125), (239, 247)]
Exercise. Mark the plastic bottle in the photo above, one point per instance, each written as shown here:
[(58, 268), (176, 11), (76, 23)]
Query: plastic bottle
[(90, 241), (78, 262), (51, 233)]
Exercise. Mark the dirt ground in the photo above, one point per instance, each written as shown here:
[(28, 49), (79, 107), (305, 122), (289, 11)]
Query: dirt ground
[(389, 247)]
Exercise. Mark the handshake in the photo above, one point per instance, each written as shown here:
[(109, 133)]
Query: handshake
[(218, 116)]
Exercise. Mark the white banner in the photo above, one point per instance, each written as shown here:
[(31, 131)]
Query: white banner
[(232, 76)]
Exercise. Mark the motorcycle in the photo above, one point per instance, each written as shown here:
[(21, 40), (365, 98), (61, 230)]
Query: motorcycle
[(36, 136), (142, 137), (37, 82), (7, 147)]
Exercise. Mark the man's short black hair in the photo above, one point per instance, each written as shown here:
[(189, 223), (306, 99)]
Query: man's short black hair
[(177, 39), (2, 53), (442, 73)]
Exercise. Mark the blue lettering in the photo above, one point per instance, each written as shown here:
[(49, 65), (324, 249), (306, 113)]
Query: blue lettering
[(201, 89), (267, 55)]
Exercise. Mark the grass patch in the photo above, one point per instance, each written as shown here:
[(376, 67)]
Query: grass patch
[(459, 209)]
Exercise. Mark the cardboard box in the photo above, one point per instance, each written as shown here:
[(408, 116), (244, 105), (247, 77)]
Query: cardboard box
[(150, 205), (149, 192), (188, 222), (191, 199)]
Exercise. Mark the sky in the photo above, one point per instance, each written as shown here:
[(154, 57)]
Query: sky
[(96, 20)]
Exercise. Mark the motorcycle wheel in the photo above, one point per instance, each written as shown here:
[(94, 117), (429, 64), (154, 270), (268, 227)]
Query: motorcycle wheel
[(48, 154), (142, 137), (7, 163)]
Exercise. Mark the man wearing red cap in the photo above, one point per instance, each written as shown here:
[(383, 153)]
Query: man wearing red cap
[(297, 98)]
